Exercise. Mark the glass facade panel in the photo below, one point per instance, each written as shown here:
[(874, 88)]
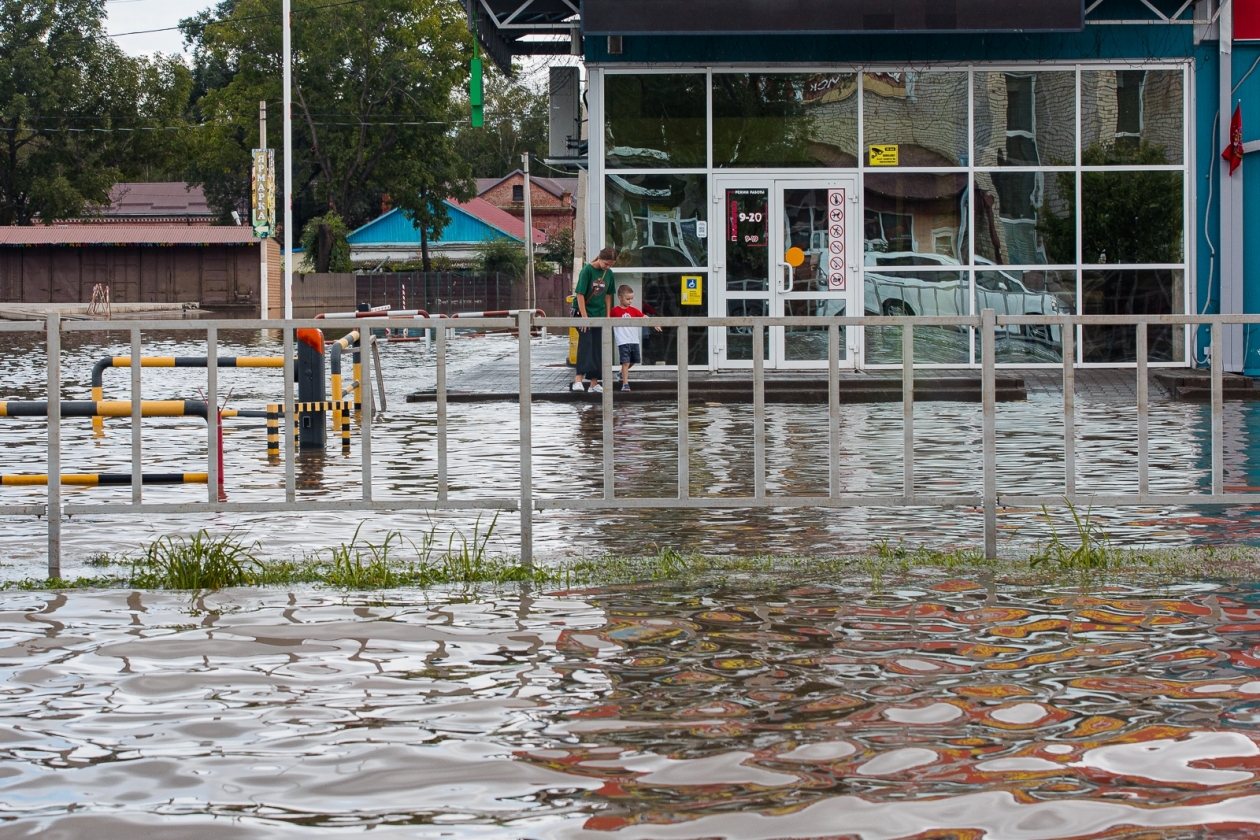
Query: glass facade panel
[(1129, 291), (1025, 118), (654, 220), (809, 344), (1015, 292), (660, 294), (918, 293), (1132, 116), (923, 114), (785, 120), (739, 339), (1025, 217), (655, 121), (1131, 217), (916, 219), (747, 238)]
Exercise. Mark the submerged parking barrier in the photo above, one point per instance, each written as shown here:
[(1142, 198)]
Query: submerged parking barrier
[(105, 408), (341, 413), (103, 479), (98, 370), (339, 346)]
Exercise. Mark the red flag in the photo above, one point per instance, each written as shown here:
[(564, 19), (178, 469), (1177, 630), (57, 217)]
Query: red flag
[(1234, 151)]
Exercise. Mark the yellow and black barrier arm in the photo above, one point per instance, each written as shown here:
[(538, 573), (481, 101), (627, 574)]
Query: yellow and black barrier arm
[(103, 479), (105, 408), (98, 370)]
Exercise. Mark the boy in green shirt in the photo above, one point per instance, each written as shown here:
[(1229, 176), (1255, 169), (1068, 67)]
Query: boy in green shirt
[(593, 295)]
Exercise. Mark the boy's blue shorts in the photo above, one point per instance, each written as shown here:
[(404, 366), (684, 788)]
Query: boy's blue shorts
[(628, 354)]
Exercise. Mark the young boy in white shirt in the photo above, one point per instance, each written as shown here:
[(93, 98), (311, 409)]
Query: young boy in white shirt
[(627, 338)]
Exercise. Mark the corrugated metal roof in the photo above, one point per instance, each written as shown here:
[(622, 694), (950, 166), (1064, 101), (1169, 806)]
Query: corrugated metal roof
[(163, 198), (72, 235)]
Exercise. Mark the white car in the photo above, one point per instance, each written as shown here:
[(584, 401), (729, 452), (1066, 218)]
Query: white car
[(911, 294)]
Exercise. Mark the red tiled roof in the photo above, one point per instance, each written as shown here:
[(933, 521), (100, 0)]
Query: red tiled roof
[(126, 235), (501, 219)]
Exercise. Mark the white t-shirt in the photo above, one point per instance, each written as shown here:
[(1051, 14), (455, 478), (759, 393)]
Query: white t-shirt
[(626, 335)]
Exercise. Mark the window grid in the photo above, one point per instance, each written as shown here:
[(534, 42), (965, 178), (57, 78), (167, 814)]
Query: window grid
[(971, 267)]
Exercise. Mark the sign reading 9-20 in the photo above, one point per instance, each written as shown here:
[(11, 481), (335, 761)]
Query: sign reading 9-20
[(747, 223)]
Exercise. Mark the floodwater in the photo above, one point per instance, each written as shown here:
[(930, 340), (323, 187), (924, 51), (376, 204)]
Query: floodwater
[(928, 708), (567, 445)]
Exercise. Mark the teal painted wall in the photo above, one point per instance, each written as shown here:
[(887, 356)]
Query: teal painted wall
[(395, 228)]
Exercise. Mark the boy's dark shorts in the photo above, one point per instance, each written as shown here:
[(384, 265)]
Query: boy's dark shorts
[(628, 354)]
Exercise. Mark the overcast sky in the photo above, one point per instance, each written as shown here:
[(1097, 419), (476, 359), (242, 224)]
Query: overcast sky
[(134, 15)]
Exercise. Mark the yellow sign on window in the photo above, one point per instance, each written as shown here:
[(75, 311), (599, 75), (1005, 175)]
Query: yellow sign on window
[(692, 291), (883, 155)]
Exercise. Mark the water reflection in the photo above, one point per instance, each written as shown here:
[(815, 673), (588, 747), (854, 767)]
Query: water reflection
[(950, 708)]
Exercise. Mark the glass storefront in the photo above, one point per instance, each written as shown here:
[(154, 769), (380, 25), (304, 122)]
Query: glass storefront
[(1026, 189)]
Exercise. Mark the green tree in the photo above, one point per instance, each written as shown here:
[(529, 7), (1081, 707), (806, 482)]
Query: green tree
[(373, 95), (516, 123), (76, 114), (559, 249), (502, 256), (324, 241)]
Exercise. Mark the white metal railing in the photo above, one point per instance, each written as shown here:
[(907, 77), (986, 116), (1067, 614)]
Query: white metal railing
[(989, 499)]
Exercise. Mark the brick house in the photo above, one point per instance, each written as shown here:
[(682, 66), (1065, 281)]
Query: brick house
[(552, 205)]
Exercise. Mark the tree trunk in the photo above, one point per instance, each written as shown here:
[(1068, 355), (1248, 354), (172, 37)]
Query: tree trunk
[(323, 250), (425, 265)]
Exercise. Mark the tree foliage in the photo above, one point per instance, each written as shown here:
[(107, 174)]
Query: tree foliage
[(559, 249), (324, 241), (76, 114), (502, 256), (516, 123), (372, 98)]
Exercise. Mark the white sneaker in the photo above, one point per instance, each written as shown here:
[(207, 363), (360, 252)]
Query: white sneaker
[(577, 386), (597, 389)]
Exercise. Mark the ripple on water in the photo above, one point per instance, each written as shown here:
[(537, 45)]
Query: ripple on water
[(631, 712)]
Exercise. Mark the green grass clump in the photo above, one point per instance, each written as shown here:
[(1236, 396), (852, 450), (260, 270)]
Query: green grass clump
[(1093, 551), (197, 562)]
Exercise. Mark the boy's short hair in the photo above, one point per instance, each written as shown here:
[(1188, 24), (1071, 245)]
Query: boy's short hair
[(622, 289)]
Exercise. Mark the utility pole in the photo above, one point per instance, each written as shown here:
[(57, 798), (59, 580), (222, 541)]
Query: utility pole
[(286, 46), (529, 240)]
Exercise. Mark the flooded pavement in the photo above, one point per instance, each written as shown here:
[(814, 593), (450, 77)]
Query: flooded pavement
[(928, 708), (566, 456)]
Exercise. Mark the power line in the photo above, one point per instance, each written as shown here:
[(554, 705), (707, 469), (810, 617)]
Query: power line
[(215, 22)]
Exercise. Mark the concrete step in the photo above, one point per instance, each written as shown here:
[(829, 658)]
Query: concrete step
[(1196, 386), (779, 391)]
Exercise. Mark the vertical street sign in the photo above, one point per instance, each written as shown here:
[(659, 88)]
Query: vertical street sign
[(263, 195)]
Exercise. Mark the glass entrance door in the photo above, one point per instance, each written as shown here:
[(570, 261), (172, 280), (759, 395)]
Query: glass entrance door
[(787, 249)]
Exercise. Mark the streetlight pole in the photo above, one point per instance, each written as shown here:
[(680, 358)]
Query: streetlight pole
[(529, 238), (285, 14)]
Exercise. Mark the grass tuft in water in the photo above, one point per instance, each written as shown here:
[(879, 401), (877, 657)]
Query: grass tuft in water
[(1093, 551), (197, 562)]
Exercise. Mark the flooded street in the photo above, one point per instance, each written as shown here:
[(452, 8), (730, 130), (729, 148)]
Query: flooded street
[(484, 449), (926, 708)]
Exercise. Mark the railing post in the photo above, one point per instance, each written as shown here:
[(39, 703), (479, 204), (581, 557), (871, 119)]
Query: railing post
[(369, 408), (137, 444), (1069, 410), (989, 432), (212, 413), (907, 412), (606, 338), (1142, 407), (288, 420), (684, 408), (525, 397), (54, 445), (833, 409), (443, 487), (759, 411), (1218, 410)]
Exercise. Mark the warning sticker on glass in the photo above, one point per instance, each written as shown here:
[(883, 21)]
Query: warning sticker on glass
[(835, 257), (883, 155)]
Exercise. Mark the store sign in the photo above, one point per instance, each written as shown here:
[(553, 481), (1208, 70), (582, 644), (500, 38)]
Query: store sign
[(748, 223), (883, 155), (263, 200), (837, 277), (692, 291)]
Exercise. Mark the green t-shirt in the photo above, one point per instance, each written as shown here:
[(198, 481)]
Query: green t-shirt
[(595, 286)]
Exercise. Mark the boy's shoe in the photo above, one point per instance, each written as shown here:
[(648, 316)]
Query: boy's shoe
[(578, 386), (597, 389), (625, 386)]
